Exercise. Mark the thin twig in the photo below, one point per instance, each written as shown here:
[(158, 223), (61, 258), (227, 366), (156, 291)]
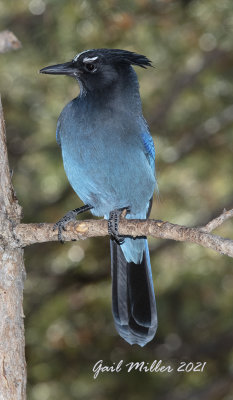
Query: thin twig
[(216, 222), (202, 221)]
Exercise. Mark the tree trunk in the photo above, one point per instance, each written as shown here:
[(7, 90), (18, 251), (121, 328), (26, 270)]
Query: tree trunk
[(12, 275)]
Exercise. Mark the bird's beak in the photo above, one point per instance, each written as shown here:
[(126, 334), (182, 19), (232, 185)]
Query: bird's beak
[(67, 68)]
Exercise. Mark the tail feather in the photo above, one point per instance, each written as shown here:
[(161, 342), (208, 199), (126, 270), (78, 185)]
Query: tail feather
[(133, 300)]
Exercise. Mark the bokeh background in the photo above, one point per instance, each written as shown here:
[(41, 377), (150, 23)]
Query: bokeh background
[(188, 102)]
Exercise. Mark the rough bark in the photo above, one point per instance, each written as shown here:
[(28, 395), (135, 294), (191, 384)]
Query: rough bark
[(28, 234), (12, 359)]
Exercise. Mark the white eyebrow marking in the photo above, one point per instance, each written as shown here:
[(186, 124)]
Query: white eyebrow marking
[(79, 54), (87, 59)]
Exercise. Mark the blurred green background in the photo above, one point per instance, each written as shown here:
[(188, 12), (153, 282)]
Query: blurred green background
[(188, 102)]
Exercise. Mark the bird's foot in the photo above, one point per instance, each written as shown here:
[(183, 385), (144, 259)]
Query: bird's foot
[(61, 224), (113, 223), (68, 217)]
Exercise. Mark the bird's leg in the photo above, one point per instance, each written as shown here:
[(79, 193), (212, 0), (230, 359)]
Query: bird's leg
[(113, 223), (68, 217)]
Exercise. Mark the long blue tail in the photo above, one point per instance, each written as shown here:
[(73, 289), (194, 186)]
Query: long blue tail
[(133, 299)]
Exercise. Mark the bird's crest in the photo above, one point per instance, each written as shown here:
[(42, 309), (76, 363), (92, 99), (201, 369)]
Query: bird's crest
[(116, 56)]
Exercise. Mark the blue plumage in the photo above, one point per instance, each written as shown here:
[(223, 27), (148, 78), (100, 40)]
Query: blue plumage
[(149, 148), (109, 158)]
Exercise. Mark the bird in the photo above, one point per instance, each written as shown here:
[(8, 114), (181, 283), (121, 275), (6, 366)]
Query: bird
[(109, 159)]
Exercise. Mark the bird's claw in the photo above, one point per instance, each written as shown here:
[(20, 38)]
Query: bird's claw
[(113, 223), (61, 224), (68, 217)]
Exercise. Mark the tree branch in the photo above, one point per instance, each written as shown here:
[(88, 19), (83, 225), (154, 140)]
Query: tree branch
[(27, 234), (216, 222), (202, 220)]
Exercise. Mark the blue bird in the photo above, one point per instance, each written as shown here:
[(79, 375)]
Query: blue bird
[(109, 158)]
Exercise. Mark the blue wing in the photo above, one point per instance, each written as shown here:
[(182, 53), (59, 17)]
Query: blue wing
[(149, 148)]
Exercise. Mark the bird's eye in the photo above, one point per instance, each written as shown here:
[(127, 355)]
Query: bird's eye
[(90, 67)]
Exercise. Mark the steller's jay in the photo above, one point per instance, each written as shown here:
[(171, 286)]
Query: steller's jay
[(109, 158)]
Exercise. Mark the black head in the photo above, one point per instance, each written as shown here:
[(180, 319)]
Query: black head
[(99, 68)]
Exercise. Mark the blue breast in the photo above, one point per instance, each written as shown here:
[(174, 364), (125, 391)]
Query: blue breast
[(106, 159)]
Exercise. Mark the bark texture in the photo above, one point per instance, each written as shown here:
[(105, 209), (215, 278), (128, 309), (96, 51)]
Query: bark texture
[(12, 359), (28, 234)]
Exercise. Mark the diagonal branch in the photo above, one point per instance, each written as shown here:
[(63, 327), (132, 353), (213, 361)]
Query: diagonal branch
[(216, 222), (28, 234), (202, 221)]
